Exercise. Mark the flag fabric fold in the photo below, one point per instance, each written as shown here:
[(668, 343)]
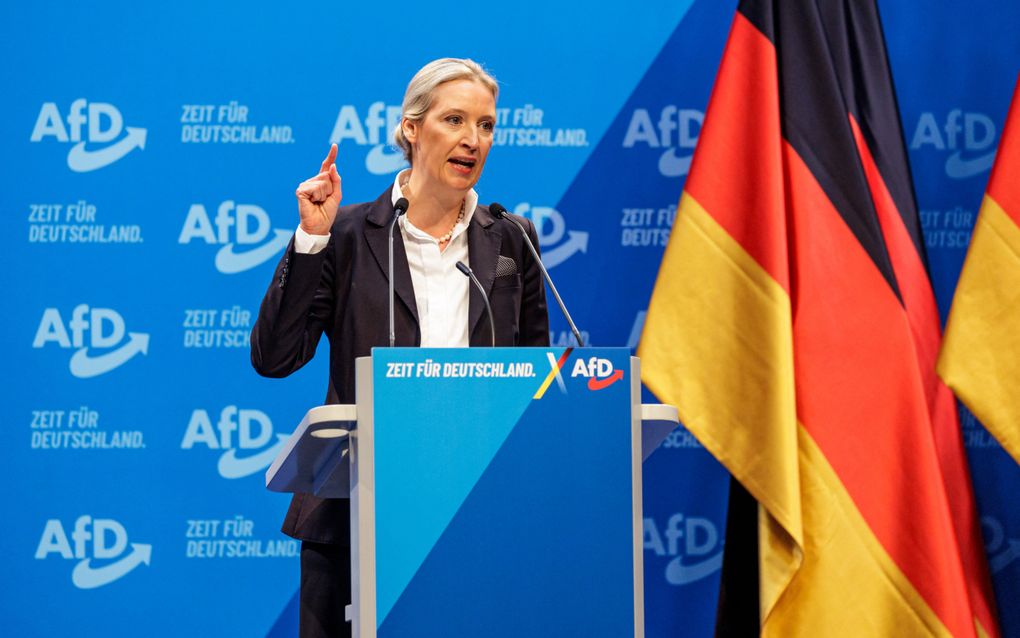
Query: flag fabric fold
[(793, 324), (980, 357)]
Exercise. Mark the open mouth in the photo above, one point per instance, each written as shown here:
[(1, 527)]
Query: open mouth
[(463, 165)]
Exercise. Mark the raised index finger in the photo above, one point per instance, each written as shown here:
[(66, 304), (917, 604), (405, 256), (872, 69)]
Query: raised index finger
[(326, 163)]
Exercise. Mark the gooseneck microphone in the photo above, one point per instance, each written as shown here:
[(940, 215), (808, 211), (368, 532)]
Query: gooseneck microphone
[(500, 212), (398, 209), (492, 324)]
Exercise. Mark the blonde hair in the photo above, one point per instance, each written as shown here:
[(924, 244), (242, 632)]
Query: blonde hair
[(419, 95)]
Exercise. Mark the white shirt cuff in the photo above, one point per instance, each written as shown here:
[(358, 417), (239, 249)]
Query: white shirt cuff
[(306, 244)]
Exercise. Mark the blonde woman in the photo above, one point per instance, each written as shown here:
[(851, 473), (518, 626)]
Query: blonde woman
[(333, 279)]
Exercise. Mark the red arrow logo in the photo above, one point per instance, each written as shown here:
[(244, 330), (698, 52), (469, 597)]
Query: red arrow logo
[(599, 384)]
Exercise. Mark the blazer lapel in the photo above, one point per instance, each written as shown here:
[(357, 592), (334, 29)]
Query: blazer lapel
[(377, 233), (483, 252)]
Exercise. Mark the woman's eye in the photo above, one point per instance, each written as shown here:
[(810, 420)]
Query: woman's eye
[(454, 119), (488, 126)]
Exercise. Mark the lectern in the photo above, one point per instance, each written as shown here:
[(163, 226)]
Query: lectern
[(494, 491)]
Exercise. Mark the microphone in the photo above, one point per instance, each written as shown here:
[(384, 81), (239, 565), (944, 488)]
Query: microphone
[(492, 324), (398, 209), (500, 212)]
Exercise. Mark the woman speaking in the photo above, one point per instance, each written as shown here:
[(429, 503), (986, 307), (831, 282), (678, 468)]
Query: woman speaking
[(334, 279)]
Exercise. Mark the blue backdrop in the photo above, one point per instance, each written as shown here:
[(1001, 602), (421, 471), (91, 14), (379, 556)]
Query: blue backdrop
[(150, 158)]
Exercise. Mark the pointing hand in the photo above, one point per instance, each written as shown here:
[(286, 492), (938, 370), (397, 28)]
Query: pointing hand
[(319, 197)]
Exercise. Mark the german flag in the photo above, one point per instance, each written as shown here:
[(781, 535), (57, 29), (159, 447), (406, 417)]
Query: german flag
[(980, 358), (793, 323)]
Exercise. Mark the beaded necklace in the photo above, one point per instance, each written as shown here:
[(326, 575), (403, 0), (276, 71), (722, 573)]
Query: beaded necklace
[(460, 216), (449, 234)]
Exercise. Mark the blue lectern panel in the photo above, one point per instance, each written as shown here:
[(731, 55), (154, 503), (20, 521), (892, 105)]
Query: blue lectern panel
[(503, 502)]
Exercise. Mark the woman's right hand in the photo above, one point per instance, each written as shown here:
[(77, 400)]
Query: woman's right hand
[(319, 197)]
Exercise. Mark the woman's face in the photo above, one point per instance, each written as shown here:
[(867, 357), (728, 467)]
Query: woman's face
[(451, 142)]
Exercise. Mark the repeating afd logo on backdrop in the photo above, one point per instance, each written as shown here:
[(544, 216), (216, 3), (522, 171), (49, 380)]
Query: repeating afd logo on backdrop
[(216, 328), (975, 436), (642, 227), (99, 545), (697, 557), (375, 130), (254, 431), (675, 130), (106, 330), (970, 137), (76, 223), (228, 124), (99, 145), (234, 538), (551, 228), (80, 431), (522, 126), (1002, 551), (246, 225)]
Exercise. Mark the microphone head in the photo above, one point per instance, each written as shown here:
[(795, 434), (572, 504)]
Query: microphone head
[(400, 207), (463, 268), (497, 210)]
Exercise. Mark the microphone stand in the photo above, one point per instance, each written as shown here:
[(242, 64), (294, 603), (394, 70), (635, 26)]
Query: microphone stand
[(500, 212), (492, 324), (398, 209)]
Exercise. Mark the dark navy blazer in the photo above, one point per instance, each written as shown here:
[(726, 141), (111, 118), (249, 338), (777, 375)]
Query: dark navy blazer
[(343, 291)]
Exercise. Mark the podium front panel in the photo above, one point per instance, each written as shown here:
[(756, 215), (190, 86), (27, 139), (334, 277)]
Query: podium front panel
[(501, 500)]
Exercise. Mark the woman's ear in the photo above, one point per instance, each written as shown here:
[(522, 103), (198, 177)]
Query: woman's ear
[(410, 128)]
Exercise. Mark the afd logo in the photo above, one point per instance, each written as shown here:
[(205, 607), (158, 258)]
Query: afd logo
[(675, 130), (1001, 550), (551, 228), (691, 543), (102, 540), (375, 130), (598, 371), (242, 225), (969, 136), (105, 328), (103, 135), (254, 431)]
